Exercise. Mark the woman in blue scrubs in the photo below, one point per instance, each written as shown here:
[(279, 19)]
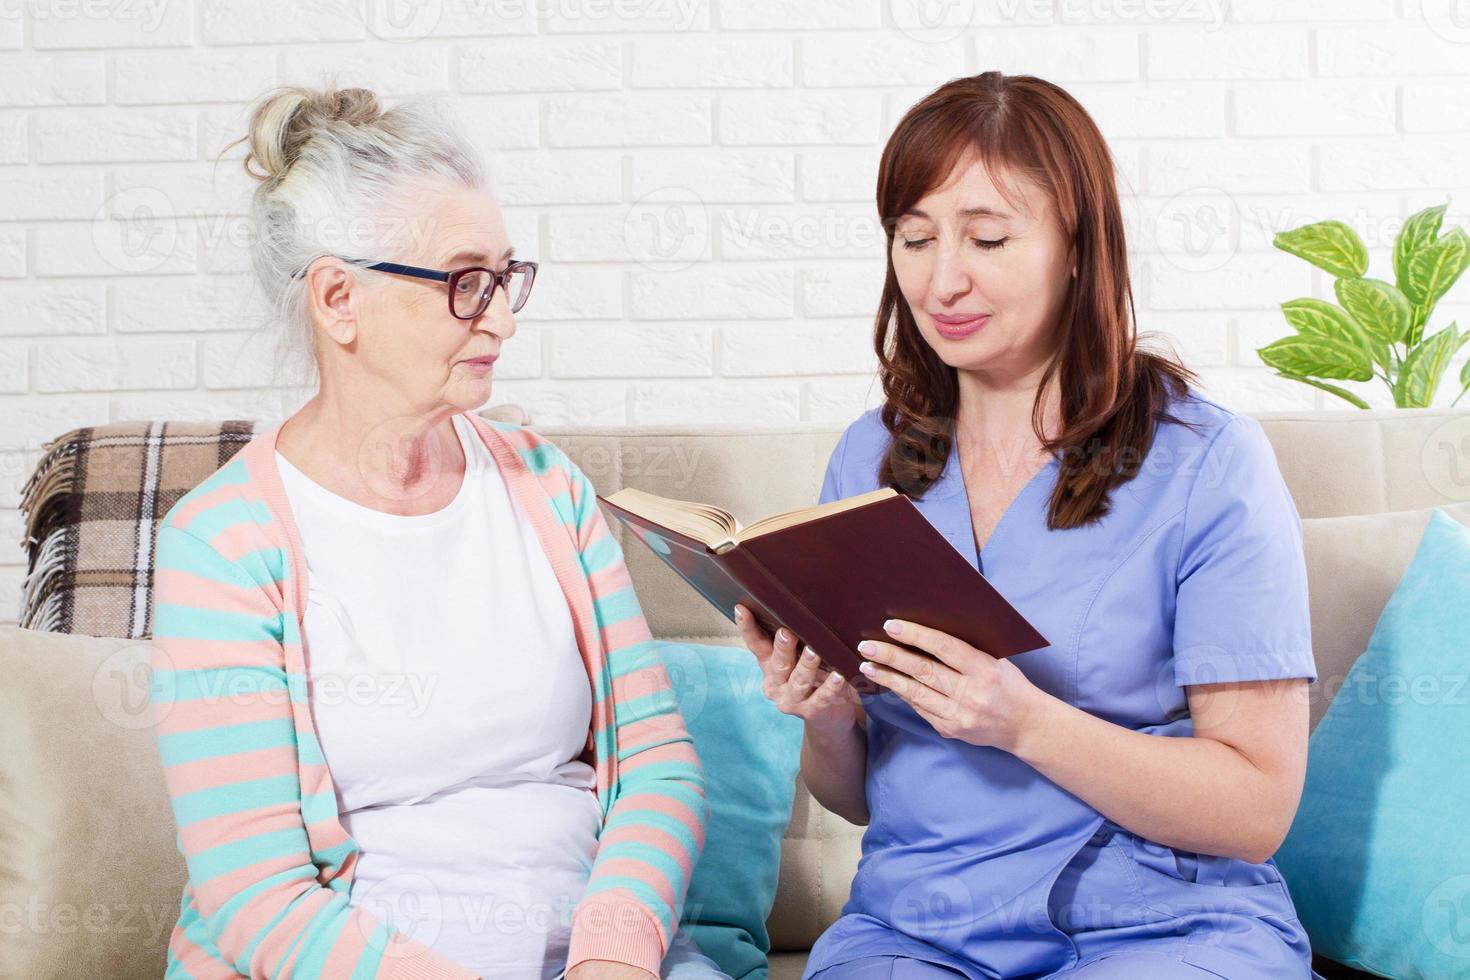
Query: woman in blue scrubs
[(1107, 805)]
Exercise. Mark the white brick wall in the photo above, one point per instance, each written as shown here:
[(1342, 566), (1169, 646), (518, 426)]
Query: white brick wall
[(696, 177)]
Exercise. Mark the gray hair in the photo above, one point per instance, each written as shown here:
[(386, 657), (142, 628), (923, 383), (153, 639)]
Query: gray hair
[(333, 172)]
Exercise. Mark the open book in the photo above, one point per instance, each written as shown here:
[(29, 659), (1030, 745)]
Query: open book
[(830, 573)]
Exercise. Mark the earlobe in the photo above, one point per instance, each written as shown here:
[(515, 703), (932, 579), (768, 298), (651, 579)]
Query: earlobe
[(336, 306), (341, 330)]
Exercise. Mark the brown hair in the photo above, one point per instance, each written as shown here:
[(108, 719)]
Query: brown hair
[(1111, 391)]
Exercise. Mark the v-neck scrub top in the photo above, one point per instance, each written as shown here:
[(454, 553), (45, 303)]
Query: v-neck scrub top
[(972, 859)]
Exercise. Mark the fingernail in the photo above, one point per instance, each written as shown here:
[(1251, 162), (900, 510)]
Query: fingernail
[(740, 615), (809, 656), (892, 627), (867, 669), (865, 647), (783, 636)]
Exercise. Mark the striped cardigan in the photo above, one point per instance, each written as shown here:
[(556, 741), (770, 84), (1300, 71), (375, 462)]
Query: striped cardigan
[(269, 863)]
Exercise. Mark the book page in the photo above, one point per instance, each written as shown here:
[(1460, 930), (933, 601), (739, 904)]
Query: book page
[(717, 527), (791, 518), (703, 522)]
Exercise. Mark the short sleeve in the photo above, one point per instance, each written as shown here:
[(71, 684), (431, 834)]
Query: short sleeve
[(832, 481), (1241, 608)]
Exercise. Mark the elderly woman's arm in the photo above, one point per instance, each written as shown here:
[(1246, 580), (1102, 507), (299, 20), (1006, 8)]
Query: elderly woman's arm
[(655, 830), (229, 749)]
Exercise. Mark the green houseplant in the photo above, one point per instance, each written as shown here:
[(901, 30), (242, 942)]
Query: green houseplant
[(1376, 328)]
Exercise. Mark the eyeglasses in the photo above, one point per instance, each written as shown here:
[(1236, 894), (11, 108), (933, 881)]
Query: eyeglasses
[(470, 288)]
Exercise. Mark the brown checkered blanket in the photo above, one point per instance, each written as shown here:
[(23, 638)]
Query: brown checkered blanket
[(92, 509)]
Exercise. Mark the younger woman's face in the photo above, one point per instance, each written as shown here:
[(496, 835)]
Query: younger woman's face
[(985, 274)]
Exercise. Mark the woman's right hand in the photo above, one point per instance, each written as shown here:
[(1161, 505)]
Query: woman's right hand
[(800, 686)]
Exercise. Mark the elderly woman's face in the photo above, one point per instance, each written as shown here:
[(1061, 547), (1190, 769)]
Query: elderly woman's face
[(407, 336), (985, 276)]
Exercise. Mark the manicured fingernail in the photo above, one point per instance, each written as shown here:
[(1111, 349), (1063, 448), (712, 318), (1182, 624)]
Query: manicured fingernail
[(809, 655), (740, 615), (892, 627), (783, 636), (867, 668), (865, 647)]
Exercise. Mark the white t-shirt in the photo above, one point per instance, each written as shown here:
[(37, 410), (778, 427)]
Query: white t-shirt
[(451, 703)]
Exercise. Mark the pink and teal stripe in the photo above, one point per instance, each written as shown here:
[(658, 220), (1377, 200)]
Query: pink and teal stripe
[(269, 864)]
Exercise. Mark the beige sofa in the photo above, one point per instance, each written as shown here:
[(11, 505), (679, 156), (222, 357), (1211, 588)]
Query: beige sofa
[(89, 876)]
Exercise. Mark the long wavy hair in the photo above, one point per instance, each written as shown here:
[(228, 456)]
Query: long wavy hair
[(1112, 392)]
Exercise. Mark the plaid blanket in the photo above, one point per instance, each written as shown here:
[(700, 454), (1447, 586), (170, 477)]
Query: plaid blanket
[(92, 508)]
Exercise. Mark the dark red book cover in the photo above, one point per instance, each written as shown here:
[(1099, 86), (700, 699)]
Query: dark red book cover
[(833, 580)]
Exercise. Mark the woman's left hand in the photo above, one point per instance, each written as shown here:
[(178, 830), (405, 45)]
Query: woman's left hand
[(963, 692), (607, 970)]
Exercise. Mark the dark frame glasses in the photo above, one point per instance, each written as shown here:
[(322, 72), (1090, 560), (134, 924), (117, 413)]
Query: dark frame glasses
[(454, 278)]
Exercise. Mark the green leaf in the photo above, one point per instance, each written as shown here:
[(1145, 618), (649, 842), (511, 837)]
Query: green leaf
[(1333, 389), (1383, 311), (1318, 318), (1416, 329), (1419, 376), (1465, 373), (1420, 230), (1330, 245), (1434, 268), (1326, 357)]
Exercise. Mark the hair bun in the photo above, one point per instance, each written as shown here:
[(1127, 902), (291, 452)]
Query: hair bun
[(287, 118)]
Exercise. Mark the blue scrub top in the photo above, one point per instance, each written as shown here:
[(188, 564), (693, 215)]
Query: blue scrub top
[(1195, 575)]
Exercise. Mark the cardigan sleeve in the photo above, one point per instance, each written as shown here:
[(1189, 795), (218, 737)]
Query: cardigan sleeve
[(221, 705), (654, 831)]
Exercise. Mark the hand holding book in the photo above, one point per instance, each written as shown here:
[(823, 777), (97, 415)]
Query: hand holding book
[(797, 682)]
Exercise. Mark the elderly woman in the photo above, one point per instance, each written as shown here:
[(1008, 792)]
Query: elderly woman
[(404, 697), (1105, 806)]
